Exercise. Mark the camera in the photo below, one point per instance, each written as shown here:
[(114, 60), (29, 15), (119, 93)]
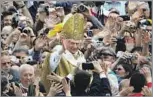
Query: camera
[(82, 8), (29, 60), (44, 8), (132, 56), (125, 17), (90, 33), (15, 20), (143, 24), (97, 42), (128, 55), (87, 66), (26, 31)]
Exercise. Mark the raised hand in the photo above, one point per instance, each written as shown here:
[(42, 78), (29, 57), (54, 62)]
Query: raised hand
[(146, 37), (146, 91), (55, 88), (17, 90), (54, 77), (126, 91), (40, 43), (66, 87), (97, 66), (147, 73)]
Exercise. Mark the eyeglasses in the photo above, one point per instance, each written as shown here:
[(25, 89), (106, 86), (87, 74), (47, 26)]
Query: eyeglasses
[(118, 69)]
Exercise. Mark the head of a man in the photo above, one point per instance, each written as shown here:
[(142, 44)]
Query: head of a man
[(82, 80), (20, 54), (107, 54), (26, 74), (6, 31), (5, 61), (72, 45), (137, 81), (7, 18)]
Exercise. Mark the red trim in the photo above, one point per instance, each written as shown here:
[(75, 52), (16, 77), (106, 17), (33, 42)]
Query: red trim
[(93, 13), (149, 85), (136, 94)]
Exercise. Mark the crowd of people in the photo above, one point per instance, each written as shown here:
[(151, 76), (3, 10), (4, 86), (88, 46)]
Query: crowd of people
[(76, 48)]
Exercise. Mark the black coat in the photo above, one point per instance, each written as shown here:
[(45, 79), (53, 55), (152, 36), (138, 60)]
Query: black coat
[(99, 87)]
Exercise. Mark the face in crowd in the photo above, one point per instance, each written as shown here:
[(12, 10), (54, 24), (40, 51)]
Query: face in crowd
[(7, 20), (72, 45), (5, 63), (27, 75)]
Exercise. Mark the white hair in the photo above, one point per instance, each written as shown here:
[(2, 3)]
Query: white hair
[(7, 29), (25, 67)]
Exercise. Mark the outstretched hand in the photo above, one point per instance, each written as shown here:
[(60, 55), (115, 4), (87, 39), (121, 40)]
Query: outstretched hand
[(55, 88), (54, 77), (66, 87), (126, 91)]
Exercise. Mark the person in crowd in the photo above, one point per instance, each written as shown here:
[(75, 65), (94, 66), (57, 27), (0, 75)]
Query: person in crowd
[(65, 58), (123, 71)]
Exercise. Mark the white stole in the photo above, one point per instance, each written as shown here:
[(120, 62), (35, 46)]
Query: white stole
[(69, 57)]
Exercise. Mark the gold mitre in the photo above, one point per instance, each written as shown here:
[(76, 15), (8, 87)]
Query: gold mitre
[(74, 27)]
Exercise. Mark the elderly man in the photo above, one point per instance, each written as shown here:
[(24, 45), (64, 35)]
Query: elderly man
[(6, 64), (5, 61), (27, 78), (65, 58)]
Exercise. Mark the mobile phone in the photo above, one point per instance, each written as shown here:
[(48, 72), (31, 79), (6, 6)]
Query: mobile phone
[(125, 17), (87, 66), (90, 33)]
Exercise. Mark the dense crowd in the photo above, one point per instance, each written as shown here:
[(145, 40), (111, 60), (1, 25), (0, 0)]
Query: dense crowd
[(76, 48)]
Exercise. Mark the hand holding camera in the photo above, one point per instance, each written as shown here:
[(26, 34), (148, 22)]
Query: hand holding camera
[(128, 26), (95, 66), (147, 73), (26, 35), (125, 55), (82, 8)]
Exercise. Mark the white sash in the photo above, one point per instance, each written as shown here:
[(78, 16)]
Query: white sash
[(69, 57)]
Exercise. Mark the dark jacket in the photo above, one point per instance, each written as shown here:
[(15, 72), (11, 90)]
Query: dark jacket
[(99, 87)]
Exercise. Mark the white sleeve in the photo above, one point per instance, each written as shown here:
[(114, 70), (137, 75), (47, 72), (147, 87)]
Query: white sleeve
[(70, 76), (54, 60)]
